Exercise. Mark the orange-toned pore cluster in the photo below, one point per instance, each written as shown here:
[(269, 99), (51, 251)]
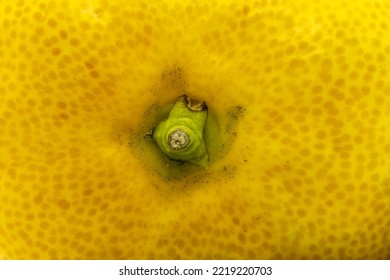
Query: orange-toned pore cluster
[(306, 177)]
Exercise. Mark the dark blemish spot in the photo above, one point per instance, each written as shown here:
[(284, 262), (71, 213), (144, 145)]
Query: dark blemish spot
[(229, 171), (234, 114), (173, 78), (237, 112)]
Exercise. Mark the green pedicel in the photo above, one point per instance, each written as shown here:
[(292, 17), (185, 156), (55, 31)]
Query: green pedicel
[(181, 136)]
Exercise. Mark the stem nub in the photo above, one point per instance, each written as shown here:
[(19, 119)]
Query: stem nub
[(181, 136)]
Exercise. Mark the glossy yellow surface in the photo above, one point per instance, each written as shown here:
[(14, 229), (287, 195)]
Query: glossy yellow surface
[(306, 177)]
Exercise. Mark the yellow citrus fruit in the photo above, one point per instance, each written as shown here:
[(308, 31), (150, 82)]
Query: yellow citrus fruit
[(302, 87)]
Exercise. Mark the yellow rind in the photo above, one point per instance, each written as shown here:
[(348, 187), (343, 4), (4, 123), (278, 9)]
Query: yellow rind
[(308, 173)]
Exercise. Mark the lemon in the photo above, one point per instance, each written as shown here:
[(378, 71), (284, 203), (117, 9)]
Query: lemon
[(302, 88)]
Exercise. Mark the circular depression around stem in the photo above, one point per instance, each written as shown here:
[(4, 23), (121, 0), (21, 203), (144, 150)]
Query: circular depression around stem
[(218, 134)]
